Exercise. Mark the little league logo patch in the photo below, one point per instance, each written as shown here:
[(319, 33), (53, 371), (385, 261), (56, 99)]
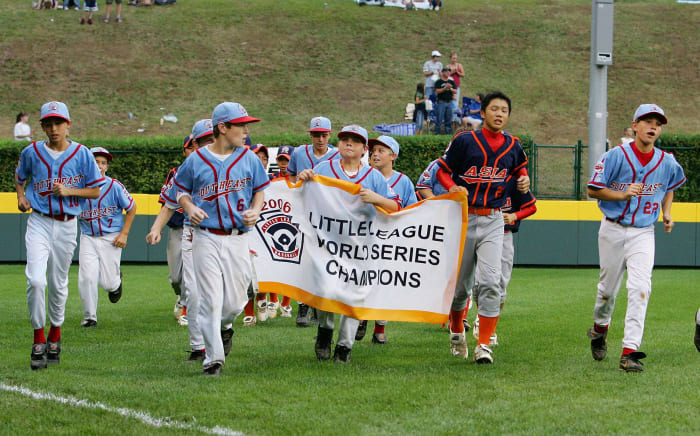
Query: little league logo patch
[(282, 237)]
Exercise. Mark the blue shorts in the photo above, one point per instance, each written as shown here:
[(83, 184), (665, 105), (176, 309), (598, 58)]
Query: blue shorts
[(90, 5)]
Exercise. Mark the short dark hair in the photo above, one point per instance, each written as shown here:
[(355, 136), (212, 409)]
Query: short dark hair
[(19, 116), (493, 96), (216, 131)]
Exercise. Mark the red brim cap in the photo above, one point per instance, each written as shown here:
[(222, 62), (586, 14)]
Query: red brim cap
[(245, 119), (319, 130), (54, 115), (341, 134)]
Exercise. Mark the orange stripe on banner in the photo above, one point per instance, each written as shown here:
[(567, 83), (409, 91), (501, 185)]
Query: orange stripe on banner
[(355, 312)]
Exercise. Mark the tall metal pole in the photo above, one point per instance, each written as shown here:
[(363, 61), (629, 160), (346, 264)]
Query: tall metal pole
[(601, 57)]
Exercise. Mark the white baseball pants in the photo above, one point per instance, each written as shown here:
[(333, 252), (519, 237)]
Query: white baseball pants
[(50, 246), (99, 264), (174, 255), (619, 247), (223, 272), (190, 294), (506, 263), (347, 330)]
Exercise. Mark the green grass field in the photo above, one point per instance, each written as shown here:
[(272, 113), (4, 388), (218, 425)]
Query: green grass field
[(544, 380)]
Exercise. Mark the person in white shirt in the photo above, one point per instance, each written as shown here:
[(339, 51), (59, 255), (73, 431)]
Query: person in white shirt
[(22, 130)]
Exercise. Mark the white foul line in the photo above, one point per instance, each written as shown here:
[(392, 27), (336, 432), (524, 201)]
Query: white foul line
[(128, 413)]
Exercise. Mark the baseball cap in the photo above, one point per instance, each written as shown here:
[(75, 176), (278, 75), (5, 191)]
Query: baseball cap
[(55, 109), (386, 141), (445, 69), (248, 143), (202, 128), (354, 130), (259, 147), (229, 112), (650, 108), (187, 141), (101, 151), (435, 53), (320, 124), (285, 151)]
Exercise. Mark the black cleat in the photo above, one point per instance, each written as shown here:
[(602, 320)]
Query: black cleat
[(227, 339), (599, 343), (632, 362), (361, 331), (379, 338), (303, 316), (53, 352), (697, 330), (323, 343), (196, 355), (213, 369), (39, 358), (342, 354), (87, 323), (115, 295)]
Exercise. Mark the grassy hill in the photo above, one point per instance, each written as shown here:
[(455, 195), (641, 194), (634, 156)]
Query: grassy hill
[(287, 61)]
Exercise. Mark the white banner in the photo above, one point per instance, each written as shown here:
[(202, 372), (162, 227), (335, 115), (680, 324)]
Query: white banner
[(320, 244)]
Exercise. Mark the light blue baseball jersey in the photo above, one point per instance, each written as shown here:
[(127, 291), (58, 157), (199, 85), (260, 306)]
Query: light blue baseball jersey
[(103, 215), (303, 158), (223, 189), (168, 197), (74, 168), (403, 187), (620, 167), (367, 176), (428, 179)]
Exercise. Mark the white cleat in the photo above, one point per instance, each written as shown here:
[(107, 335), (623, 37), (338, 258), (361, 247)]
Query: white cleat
[(183, 320), (493, 340), (286, 311), (248, 321), (272, 309), (483, 354), (458, 345), (262, 310)]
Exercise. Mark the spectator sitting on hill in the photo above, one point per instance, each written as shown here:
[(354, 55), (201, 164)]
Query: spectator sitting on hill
[(473, 120), (22, 130)]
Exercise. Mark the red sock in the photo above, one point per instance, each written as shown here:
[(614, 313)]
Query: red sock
[(261, 296), (600, 329), (286, 301), (273, 297), (184, 310), (456, 317), (487, 327), (249, 308), (39, 337), (378, 328), (626, 351), (54, 334)]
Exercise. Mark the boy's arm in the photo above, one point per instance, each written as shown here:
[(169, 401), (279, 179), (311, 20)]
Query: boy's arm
[(250, 216), (120, 240), (606, 194), (426, 193), (22, 200), (196, 214), (63, 191), (371, 197), (666, 208), (164, 215)]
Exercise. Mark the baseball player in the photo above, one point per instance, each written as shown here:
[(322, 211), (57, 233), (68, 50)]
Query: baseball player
[(202, 135), (352, 144), (482, 162), (220, 187), (517, 207), (284, 153), (103, 233), (633, 183), (308, 156), (383, 153), (428, 185), (51, 178)]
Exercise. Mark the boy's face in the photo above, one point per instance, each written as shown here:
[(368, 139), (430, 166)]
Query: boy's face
[(351, 147), (203, 141), (56, 129), (381, 157), (102, 164), (282, 163), (320, 139), (647, 129), (235, 134), (496, 114), (263, 158)]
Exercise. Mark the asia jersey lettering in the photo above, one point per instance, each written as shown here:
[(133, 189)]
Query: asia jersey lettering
[(428, 179), (485, 173), (620, 167), (516, 201), (103, 215), (178, 217), (74, 168), (367, 177), (403, 187), (223, 189), (303, 158)]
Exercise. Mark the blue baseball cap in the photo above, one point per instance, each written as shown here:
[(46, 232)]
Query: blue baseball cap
[(229, 112), (202, 128), (386, 141), (187, 141), (650, 108), (320, 124), (55, 109), (260, 147), (101, 151), (285, 151), (354, 130)]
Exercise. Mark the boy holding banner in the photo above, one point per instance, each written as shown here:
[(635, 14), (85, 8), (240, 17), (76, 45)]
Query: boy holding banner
[(352, 145)]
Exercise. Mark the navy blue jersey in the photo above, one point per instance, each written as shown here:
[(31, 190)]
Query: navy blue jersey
[(515, 201), (178, 217)]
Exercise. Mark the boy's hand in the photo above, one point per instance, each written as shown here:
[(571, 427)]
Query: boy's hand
[(457, 188), (524, 184), (120, 240), (668, 223), (369, 196), (153, 237), (23, 204), (305, 175), (250, 217), (633, 190), (60, 190), (196, 215), (509, 218)]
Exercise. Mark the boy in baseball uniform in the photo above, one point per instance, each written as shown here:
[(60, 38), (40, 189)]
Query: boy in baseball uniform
[(352, 144), (51, 178), (103, 233), (633, 184), (220, 187)]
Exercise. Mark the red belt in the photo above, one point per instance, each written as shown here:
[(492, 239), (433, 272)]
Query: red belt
[(616, 222), (483, 211), (222, 232), (61, 217)]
